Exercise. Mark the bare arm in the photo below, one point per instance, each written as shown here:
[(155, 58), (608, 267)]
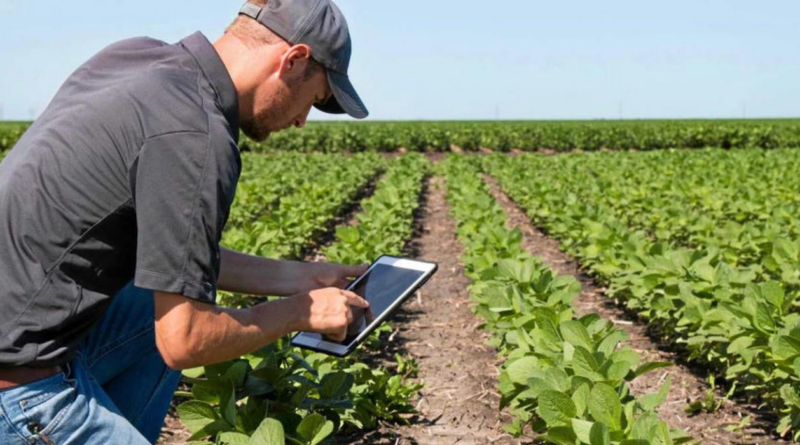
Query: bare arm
[(190, 333), (248, 274)]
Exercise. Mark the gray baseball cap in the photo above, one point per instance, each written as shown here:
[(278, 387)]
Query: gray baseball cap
[(321, 25)]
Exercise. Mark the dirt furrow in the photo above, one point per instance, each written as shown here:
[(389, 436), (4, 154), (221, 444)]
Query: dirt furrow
[(687, 386), (459, 403)]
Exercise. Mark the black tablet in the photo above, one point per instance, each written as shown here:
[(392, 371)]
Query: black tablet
[(385, 285)]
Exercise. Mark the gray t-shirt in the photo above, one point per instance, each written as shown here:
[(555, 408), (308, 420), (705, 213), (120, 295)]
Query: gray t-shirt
[(129, 173)]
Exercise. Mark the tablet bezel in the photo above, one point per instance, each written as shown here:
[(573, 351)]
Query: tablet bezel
[(307, 340)]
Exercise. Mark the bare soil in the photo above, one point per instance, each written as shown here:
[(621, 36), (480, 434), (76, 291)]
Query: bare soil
[(459, 403), (173, 432), (687, 384)]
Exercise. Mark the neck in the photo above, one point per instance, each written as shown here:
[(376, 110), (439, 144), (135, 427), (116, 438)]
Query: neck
[(234, 54)]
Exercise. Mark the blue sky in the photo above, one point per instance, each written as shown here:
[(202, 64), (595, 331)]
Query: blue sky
[(471, 59)]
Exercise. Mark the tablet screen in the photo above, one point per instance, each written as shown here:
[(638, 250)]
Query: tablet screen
[(381, 287)]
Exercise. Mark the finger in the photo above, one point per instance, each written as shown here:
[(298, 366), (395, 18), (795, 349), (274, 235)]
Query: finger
[(354, 299), (354, 271), (340, 335)]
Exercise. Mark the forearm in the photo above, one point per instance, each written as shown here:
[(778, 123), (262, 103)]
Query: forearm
[(189, 333), (248, 274)]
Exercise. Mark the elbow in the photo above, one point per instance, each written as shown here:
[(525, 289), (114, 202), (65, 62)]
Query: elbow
[(175, 341), (177, 353)]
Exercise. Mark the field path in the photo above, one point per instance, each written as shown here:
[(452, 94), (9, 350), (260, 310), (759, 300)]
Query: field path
[(459, 403), (686, 385)]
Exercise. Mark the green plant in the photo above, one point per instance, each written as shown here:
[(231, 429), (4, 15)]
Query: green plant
[(565, 378)]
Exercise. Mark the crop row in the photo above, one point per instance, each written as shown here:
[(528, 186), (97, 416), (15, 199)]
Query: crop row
[(267, 179), (386, 220), (532, 135), (287, 230), (743, 203), (10, 134), (523, 135), (725, 290), (284, 394), (564, 376)]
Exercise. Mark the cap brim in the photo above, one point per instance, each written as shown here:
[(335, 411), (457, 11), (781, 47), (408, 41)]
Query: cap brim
[(344, 98)]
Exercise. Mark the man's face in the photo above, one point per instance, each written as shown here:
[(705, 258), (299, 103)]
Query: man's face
[(286, 102)]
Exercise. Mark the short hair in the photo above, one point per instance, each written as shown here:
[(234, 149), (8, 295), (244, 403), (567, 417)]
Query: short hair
[(255, 35), (252, 33)]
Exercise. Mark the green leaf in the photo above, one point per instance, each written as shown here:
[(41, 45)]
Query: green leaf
[(521, 369), (315, 428), (618, 371), (335, 385), (558, 379), (582, 429), (561, 435), (773, 293), (763, 319), (208, 391), (609, 344), (194, 373), (347, 234), (270, 432), (605, 406), (789, 396), (585, 365), (650, 402), (644, 425), (231, 438), (514, 270), (581, 399), (662, 434), (650, 366), (599, 434), (196, 415), (556, 408), (228, 405), (785, 250), (236, 373), (576, 334), (704, 271), (785, 347)]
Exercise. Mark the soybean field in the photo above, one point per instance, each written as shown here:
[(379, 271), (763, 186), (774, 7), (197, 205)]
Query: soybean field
[(627, 283)]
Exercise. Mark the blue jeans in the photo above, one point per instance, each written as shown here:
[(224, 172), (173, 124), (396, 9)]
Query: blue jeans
[(116, 390)]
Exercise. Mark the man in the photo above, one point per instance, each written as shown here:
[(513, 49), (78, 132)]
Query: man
[(111, 211)]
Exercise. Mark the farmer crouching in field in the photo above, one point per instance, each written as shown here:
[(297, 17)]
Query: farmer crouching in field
[(111, 210)]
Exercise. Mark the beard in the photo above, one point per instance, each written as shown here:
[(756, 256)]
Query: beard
[(269, 118)]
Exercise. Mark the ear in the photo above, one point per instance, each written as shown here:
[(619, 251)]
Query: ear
[(294, 60)]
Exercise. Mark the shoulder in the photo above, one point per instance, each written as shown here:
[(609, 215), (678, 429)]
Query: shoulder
[(169, 99), (133, 44), (149, 87)]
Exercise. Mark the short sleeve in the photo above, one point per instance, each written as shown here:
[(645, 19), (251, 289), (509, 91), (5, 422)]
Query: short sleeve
[(184, 185)]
